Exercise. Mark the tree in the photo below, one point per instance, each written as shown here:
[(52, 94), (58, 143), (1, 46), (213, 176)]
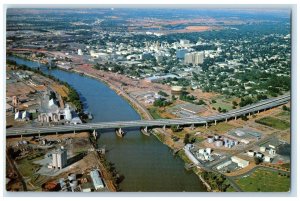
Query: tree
[(162, 93), (173, 98), (186, 139), (244, 118), (234, 103), (175, 128), (257, 160), (285, 108)]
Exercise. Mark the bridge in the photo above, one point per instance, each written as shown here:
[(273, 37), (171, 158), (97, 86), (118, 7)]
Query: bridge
[(247, 110)]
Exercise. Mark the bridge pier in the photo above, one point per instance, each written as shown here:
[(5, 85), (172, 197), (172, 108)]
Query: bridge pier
[(192, 126), (74, 132), (145, 131), (95, 134), (215, 122), (164, 127), (235, 117), (39, 134), (206, 125), (249, 114), (258, 112), (226, 120)]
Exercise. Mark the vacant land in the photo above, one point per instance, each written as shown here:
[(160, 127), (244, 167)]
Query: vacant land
[(265, 181), (284, 115), (274, 122), (154, 113), (221, 127)]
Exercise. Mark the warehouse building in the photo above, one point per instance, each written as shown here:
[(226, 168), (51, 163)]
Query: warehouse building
[(240, 162)]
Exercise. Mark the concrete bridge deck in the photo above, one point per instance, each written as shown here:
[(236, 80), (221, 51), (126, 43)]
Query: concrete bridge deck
[(247, 110)]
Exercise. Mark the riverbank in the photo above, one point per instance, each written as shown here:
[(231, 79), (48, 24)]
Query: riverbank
[(71, 95), (143, 112)]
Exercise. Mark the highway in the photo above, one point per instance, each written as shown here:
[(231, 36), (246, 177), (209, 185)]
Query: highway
[(262, 105)]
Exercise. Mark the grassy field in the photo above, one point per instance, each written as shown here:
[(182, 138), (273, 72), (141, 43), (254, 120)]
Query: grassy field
[(154, 113), (264, 181), (284, 115), (274, 122), (61, 89), (26, 167), (182, 155), (222, 105), (221, 127)]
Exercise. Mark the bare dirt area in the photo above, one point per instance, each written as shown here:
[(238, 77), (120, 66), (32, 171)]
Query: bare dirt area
[(18, 89)]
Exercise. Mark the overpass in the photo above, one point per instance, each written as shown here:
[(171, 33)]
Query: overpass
[(247, 110)]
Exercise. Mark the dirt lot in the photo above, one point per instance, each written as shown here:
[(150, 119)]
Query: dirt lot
[(18, 89)]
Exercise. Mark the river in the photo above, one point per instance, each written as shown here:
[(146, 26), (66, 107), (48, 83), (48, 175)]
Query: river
[(146, 163)]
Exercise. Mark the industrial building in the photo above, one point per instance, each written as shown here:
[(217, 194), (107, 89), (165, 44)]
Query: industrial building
[(204, 154), (222, 165), (97, 181), (188, 153), (240, 162), (59, 158), (22, 116)]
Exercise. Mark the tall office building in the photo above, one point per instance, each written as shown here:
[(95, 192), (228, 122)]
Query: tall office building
[(194, 58)]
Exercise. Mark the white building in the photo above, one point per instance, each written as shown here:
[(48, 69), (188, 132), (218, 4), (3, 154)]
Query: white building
[(80, 52), (59, 158), (267, 159), (240, 162), (272, 152), (245, 141), (262, 149), (97, 181), (250, 153), (221, 166), (184, 42), (194, 58), (22, 116)]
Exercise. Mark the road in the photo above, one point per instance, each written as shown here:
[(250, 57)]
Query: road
[(247, 110)]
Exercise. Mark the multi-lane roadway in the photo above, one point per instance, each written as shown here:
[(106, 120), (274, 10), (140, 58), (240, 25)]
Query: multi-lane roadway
[(262, 105)]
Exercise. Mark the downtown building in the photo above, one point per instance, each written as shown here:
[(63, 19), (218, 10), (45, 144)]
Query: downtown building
[(194, 58)]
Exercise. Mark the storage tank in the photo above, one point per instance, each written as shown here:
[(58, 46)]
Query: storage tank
[(216, 137), (236, 142), (73, 184), (210, 140), (219, 143), (201, 151), (62, 183), (72, 177), (250, 153), (176, 90), (208, 150)]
